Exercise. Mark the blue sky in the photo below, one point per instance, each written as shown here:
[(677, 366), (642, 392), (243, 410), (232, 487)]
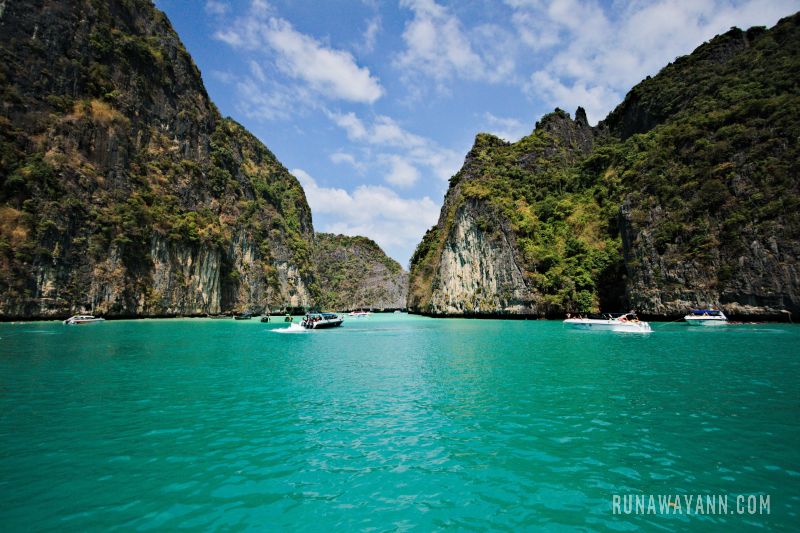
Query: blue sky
[(373, 104)]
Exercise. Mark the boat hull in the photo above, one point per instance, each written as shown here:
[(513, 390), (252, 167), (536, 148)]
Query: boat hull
[(706, 321), (75, 321), (329, 324), (324, 324)]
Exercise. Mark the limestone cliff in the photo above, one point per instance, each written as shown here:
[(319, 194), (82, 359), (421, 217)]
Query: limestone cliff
[(686, 195), (482, 256), (124, 191), (354, 273)]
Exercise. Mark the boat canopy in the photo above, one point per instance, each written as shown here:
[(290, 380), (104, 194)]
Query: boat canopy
[(711, 312), (328, 315)]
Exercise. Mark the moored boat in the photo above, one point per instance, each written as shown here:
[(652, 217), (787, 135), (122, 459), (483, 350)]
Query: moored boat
[(321, 320), (83, 319), (627, 323), (359, 314), (706, 317), (243, 316)]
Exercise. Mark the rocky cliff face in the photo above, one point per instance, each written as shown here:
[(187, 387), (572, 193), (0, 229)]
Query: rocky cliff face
[(123, 189), (354, 273), (482, 256), (478, 271), (746, 278), (686, 195)]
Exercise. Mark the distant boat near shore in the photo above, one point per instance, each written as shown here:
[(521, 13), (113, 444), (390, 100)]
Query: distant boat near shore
[(82, 319)]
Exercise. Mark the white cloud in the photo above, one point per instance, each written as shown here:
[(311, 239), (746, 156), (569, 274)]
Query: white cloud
[(509, 129), (385, 132), (597, 100), (439, 48), (257, 71), (351, 124), (330, 73), (402, 173), (271, 101), (395, 223), (216, 7), (371, 34), (442, 161), (340, 157), (535, 31)]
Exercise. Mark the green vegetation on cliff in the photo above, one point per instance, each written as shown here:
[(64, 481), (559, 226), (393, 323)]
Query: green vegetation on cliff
[(687, 192), (726, 162), (564, 221)]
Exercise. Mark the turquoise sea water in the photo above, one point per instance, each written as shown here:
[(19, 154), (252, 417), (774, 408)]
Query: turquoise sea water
[(390, 423)]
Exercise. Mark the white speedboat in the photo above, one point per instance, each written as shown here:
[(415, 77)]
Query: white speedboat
[(358, 314), (321, 320), (706, 317), (82, 319), (628, 323)]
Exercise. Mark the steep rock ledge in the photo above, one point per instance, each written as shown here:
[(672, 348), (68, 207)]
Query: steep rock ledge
[(478, 271)]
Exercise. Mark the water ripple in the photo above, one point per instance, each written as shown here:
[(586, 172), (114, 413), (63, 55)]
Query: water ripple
[(397, 423)]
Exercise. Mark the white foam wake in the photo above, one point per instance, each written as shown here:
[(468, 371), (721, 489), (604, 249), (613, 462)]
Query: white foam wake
[(293, 328)]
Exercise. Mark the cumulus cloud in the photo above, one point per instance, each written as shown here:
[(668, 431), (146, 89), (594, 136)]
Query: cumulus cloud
[(597, 99), (507, 128), (394, 222), (438, 47), (597, 54), (216, 7), (271, 101), (386, 133), (402, 173), (371, 34), (328, 72), (345, 158)]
